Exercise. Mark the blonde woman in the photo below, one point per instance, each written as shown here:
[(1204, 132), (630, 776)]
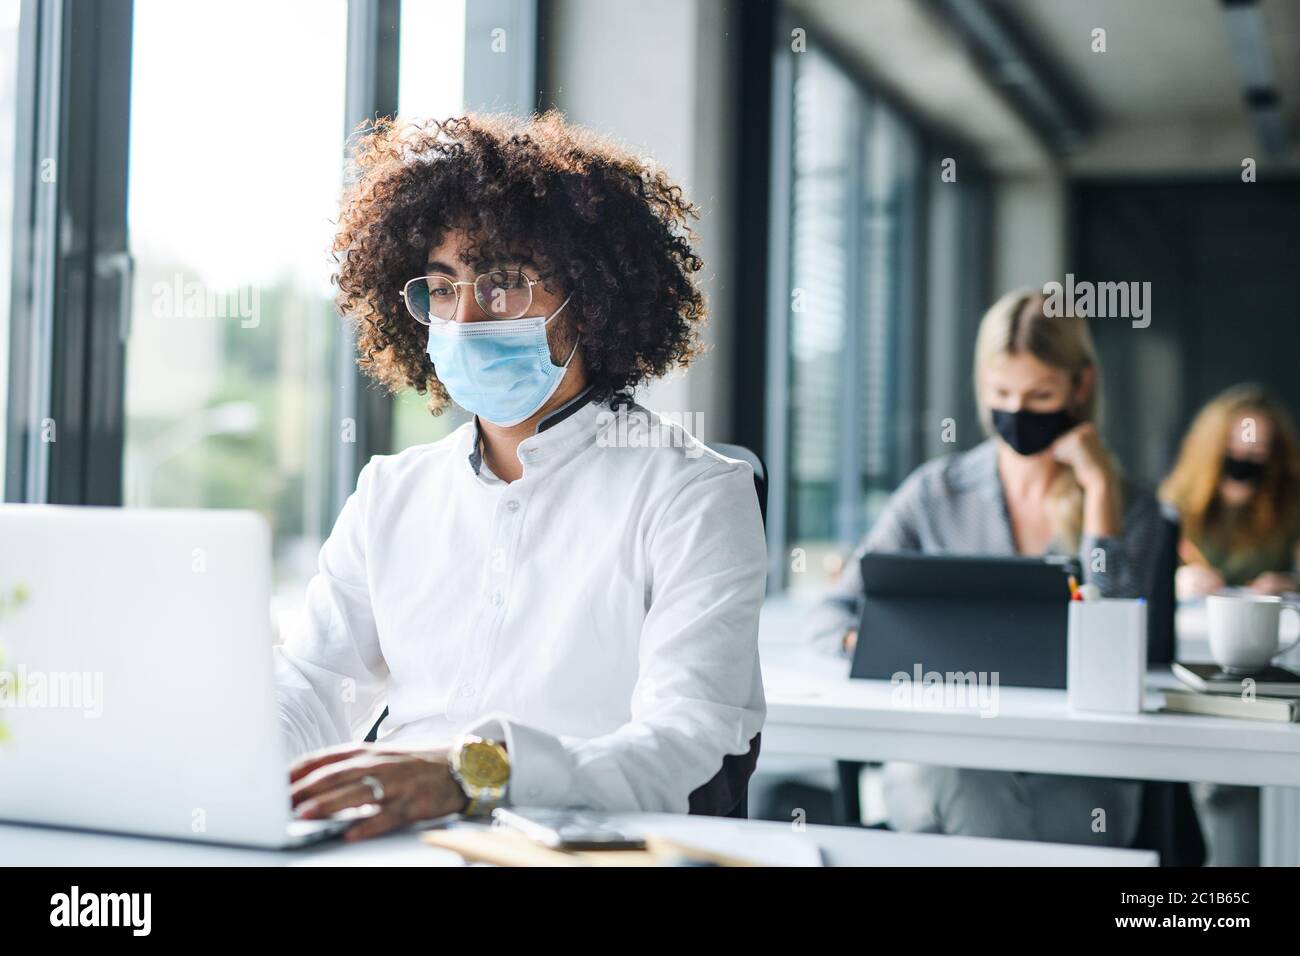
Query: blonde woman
[(1041, 483), (1236, 486)]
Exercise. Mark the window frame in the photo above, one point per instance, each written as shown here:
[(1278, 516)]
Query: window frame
[(371, 90), (72, 270), (34, 213)]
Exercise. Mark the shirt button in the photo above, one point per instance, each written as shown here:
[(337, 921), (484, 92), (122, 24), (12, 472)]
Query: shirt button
[(512, 505), (533, 791), (497, 598), (467, 690)]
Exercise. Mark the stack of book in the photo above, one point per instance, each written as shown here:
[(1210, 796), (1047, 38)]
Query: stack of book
[(1269, 694)]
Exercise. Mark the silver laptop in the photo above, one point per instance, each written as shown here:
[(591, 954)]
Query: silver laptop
[(136, 689)]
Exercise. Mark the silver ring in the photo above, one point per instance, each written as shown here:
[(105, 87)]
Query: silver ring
[(376, 788)]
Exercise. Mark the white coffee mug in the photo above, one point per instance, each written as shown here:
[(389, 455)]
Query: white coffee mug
[(1244, 630)]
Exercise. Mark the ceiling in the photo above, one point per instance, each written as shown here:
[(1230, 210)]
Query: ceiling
[(1166, 93), (904, 49), (1165, 59), (1166, 96)]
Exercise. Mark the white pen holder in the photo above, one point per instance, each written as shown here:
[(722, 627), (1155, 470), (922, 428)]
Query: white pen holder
[(1106, 662)]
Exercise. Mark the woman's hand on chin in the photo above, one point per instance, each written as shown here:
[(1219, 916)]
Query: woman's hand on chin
[(407, 786), (1082, 450)]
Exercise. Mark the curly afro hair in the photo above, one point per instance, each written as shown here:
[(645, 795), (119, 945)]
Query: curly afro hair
[(591, 219)]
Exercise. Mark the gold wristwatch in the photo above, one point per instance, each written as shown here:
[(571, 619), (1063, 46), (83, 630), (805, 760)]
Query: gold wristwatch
[(482, 768)]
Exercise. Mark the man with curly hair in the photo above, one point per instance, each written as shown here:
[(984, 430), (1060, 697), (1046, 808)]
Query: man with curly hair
[(557, 603)]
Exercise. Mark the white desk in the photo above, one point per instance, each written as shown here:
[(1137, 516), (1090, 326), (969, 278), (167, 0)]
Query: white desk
[(840, 846), (813, 710)]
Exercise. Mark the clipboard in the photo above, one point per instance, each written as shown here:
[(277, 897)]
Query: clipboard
[(503, 847)]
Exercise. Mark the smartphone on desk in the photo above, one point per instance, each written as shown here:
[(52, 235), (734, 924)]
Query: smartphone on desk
[(566, 829)]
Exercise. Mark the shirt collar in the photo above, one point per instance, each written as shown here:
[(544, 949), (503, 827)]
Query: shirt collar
[(533, 449)]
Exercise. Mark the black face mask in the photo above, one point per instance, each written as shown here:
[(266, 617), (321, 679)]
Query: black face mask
[(1243, 469), (1030, 432)]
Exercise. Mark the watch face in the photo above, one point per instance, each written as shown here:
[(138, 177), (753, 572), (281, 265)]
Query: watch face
[(484, 764)]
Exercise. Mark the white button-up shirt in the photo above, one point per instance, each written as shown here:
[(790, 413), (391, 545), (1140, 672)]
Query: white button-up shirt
[(599, 615)]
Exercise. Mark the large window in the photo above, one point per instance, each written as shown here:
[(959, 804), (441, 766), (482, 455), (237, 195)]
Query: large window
[(850, 422), (235, 353), (824, 185), (431, 86), (182, 330), (8, 127), (431, 66), (236, 150)]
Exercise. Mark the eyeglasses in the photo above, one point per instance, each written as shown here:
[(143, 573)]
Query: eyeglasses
[(500, 294)]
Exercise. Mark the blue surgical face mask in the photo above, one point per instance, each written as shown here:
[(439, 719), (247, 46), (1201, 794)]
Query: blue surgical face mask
[(501, 370)]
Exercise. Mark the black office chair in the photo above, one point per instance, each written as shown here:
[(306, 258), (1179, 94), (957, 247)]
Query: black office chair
[(1168, 822), (726, 793), (741, 453)]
